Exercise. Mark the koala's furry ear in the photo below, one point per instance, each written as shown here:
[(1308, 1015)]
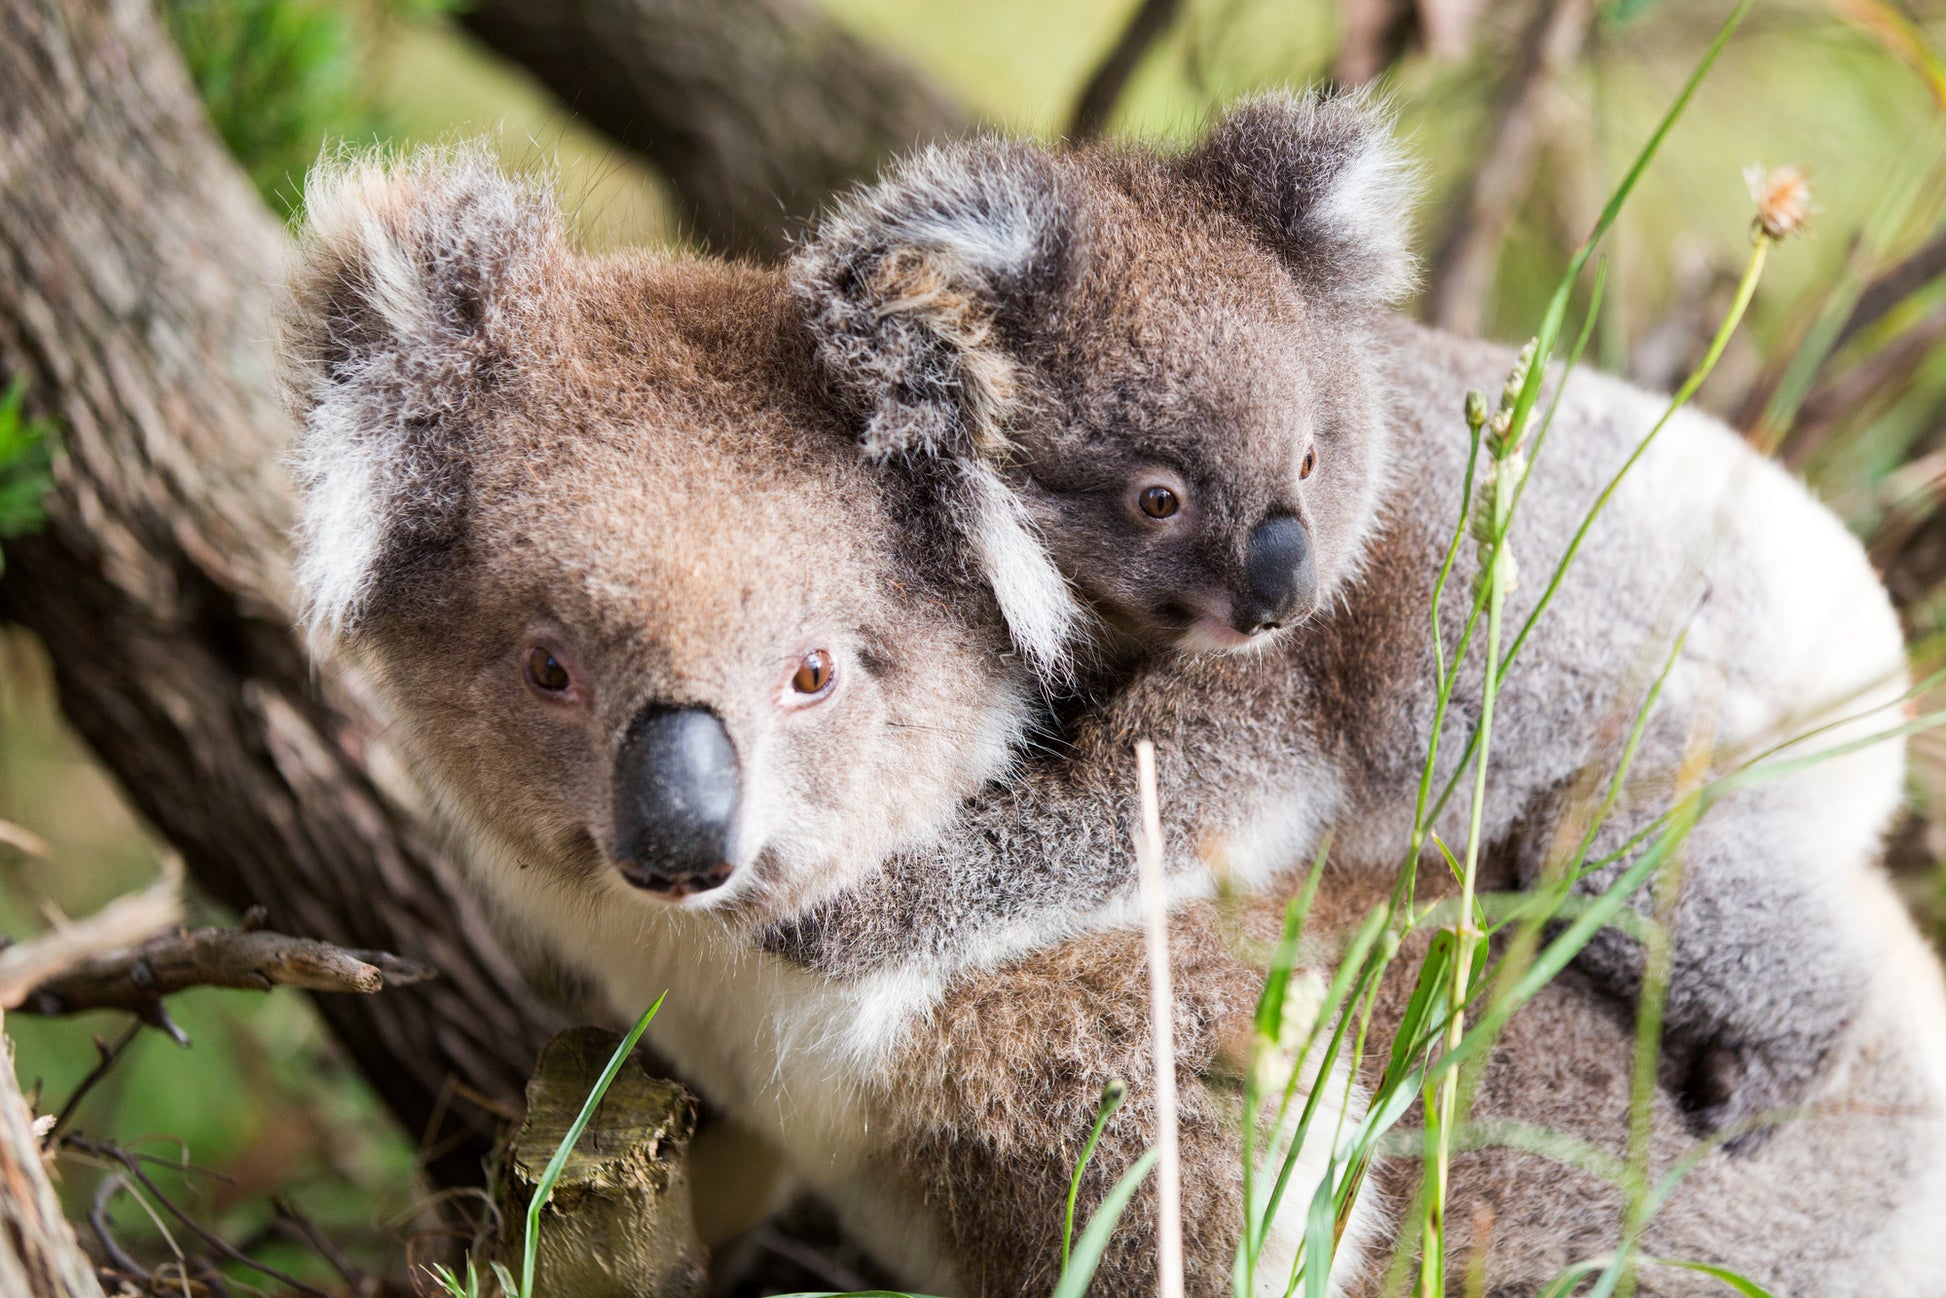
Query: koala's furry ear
[(904, 286), (910, 289), (1324, 182), (400, 311)]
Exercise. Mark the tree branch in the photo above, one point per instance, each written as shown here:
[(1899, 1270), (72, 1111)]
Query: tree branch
[(1462, 272), (135, 274), (137, 977), (755, 110), (1096, 103)]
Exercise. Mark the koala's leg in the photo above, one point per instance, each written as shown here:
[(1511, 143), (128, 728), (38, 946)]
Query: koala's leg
[(987, 1109), (1770, 958)]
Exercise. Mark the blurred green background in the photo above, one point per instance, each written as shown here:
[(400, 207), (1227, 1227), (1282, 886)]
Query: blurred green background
[(260, 1096)]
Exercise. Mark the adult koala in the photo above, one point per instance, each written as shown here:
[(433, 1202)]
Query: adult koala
[(600, 538)]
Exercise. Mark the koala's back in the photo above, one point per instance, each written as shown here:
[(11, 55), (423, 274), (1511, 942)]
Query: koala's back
[(1783, 623)]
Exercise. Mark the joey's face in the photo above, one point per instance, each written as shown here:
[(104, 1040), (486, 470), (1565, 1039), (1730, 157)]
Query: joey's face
[(1201, 453), (647, 622), (1159, 366)]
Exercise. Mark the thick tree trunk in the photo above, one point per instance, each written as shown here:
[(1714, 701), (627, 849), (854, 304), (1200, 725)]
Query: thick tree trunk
[(136, 274), (755, 110)]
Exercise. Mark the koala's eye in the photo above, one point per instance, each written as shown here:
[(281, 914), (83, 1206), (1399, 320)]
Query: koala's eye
[(545, 672), (813, 674), (1159, 502), (1310, 463)]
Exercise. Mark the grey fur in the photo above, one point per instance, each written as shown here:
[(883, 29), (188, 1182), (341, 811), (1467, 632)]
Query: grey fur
[(654, 486), (976, 307), (1172, 329)]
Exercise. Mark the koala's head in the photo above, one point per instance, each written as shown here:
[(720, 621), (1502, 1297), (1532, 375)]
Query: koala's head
[(1162, 364), (645, 615)]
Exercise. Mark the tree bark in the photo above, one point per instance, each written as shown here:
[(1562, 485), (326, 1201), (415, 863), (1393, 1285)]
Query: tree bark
[(136, 274), (755, 110), (39, 1254)]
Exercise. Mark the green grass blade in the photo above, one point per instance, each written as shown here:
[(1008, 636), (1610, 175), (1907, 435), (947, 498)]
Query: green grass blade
[(552, 1173), (1088, 1251), (1742, 1284), (1112, 1096)]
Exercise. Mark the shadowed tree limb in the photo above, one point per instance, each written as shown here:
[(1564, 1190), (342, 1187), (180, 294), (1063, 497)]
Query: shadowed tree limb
[(136, 274), (1096, 103), (754, 110), (1463, 268)]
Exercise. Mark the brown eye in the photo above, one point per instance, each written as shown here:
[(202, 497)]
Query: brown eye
[(1310, 463), (544, 670), (813, 674), (1159, 502)]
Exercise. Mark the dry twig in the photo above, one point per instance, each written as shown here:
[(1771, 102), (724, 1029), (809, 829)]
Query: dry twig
[(27, 965), (136, 978)]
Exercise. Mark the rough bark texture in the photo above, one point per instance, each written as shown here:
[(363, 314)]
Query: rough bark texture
[(38, 1252), (136, 274), (755, 110), (618, 1224)]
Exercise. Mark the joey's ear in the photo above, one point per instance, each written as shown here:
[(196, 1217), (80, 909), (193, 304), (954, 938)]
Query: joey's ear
[(1323, 181), (910, 289), (402, 311), (909, 284)]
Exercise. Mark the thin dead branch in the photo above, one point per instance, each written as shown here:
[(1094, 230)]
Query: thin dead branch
[(127, 920), (131, 1167), (1096, 103), (135, 978)]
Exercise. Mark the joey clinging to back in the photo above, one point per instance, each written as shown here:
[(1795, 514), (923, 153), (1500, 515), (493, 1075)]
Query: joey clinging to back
[(1036, 334)]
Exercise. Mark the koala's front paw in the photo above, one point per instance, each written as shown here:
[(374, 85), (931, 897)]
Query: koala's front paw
[(1739, 1094)]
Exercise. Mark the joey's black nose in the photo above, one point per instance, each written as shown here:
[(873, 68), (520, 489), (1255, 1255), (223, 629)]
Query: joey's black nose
[(1280, 580), (676, 793)]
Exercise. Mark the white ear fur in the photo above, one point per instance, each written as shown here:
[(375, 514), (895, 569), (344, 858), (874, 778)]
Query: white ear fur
[(1324, 179), (1044, 615), (903, 282), (395, 298)]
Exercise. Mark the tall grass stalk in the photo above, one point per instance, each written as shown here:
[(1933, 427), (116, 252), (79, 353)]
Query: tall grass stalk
[(1155, 912)]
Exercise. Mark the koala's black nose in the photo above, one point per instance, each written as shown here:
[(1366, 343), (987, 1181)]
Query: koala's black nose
[(1280, 580), (676, 793)]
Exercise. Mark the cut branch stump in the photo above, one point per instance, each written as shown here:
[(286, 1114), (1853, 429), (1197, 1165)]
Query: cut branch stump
[(619, 1222)]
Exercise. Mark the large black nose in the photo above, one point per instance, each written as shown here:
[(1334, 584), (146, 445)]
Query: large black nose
[(676, 793), (1280, 580)]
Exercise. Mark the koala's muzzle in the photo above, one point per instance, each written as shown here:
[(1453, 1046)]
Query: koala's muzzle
[(1280, 578), (676, 794)]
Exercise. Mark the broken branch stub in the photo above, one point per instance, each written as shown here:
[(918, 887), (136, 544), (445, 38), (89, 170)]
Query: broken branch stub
[(619, 1222)]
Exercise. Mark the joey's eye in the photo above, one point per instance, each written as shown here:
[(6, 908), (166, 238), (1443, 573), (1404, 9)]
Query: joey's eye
[(1159, 502), (813, 674), (1310, 463), (545, 672)]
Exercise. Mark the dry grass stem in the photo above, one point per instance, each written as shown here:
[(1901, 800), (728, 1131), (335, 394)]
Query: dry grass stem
[(1155, 913)]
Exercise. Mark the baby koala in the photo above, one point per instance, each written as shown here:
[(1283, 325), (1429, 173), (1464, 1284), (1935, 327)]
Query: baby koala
[(1055, 340), (1117, 497)]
